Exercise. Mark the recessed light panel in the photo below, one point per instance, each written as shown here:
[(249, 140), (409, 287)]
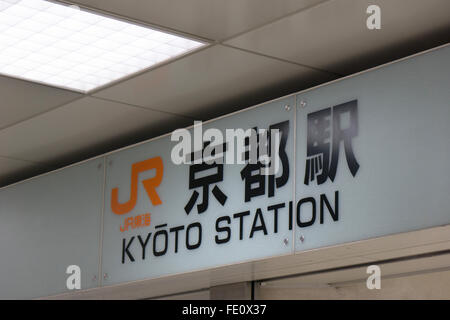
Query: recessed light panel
[(67, 47)]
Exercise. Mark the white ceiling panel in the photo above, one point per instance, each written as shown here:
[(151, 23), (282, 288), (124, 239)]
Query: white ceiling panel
[(80, 129), (333, 35), (216, 20), (212, 82), (22, 99)]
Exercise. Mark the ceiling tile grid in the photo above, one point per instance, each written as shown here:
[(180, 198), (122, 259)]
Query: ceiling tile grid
[(193, 85), (215, 20), (21, 100), (333, 35), (81, 129), (66, 47), (259, 50)]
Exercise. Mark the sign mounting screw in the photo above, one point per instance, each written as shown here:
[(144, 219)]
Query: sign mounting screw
[(287, 107), (303, 103), (286, 241), (105, 276), (302, 238)]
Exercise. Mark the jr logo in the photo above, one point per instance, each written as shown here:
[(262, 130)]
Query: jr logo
[(149, 185)]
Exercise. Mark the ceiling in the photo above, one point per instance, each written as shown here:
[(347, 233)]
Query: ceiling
[(258, 50)]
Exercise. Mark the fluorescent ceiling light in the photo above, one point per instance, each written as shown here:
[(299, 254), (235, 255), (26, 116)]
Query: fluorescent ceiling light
[(67, 47)]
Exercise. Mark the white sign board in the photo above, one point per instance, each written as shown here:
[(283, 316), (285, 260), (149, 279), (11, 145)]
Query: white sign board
[(362, 157), (359, 158)]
